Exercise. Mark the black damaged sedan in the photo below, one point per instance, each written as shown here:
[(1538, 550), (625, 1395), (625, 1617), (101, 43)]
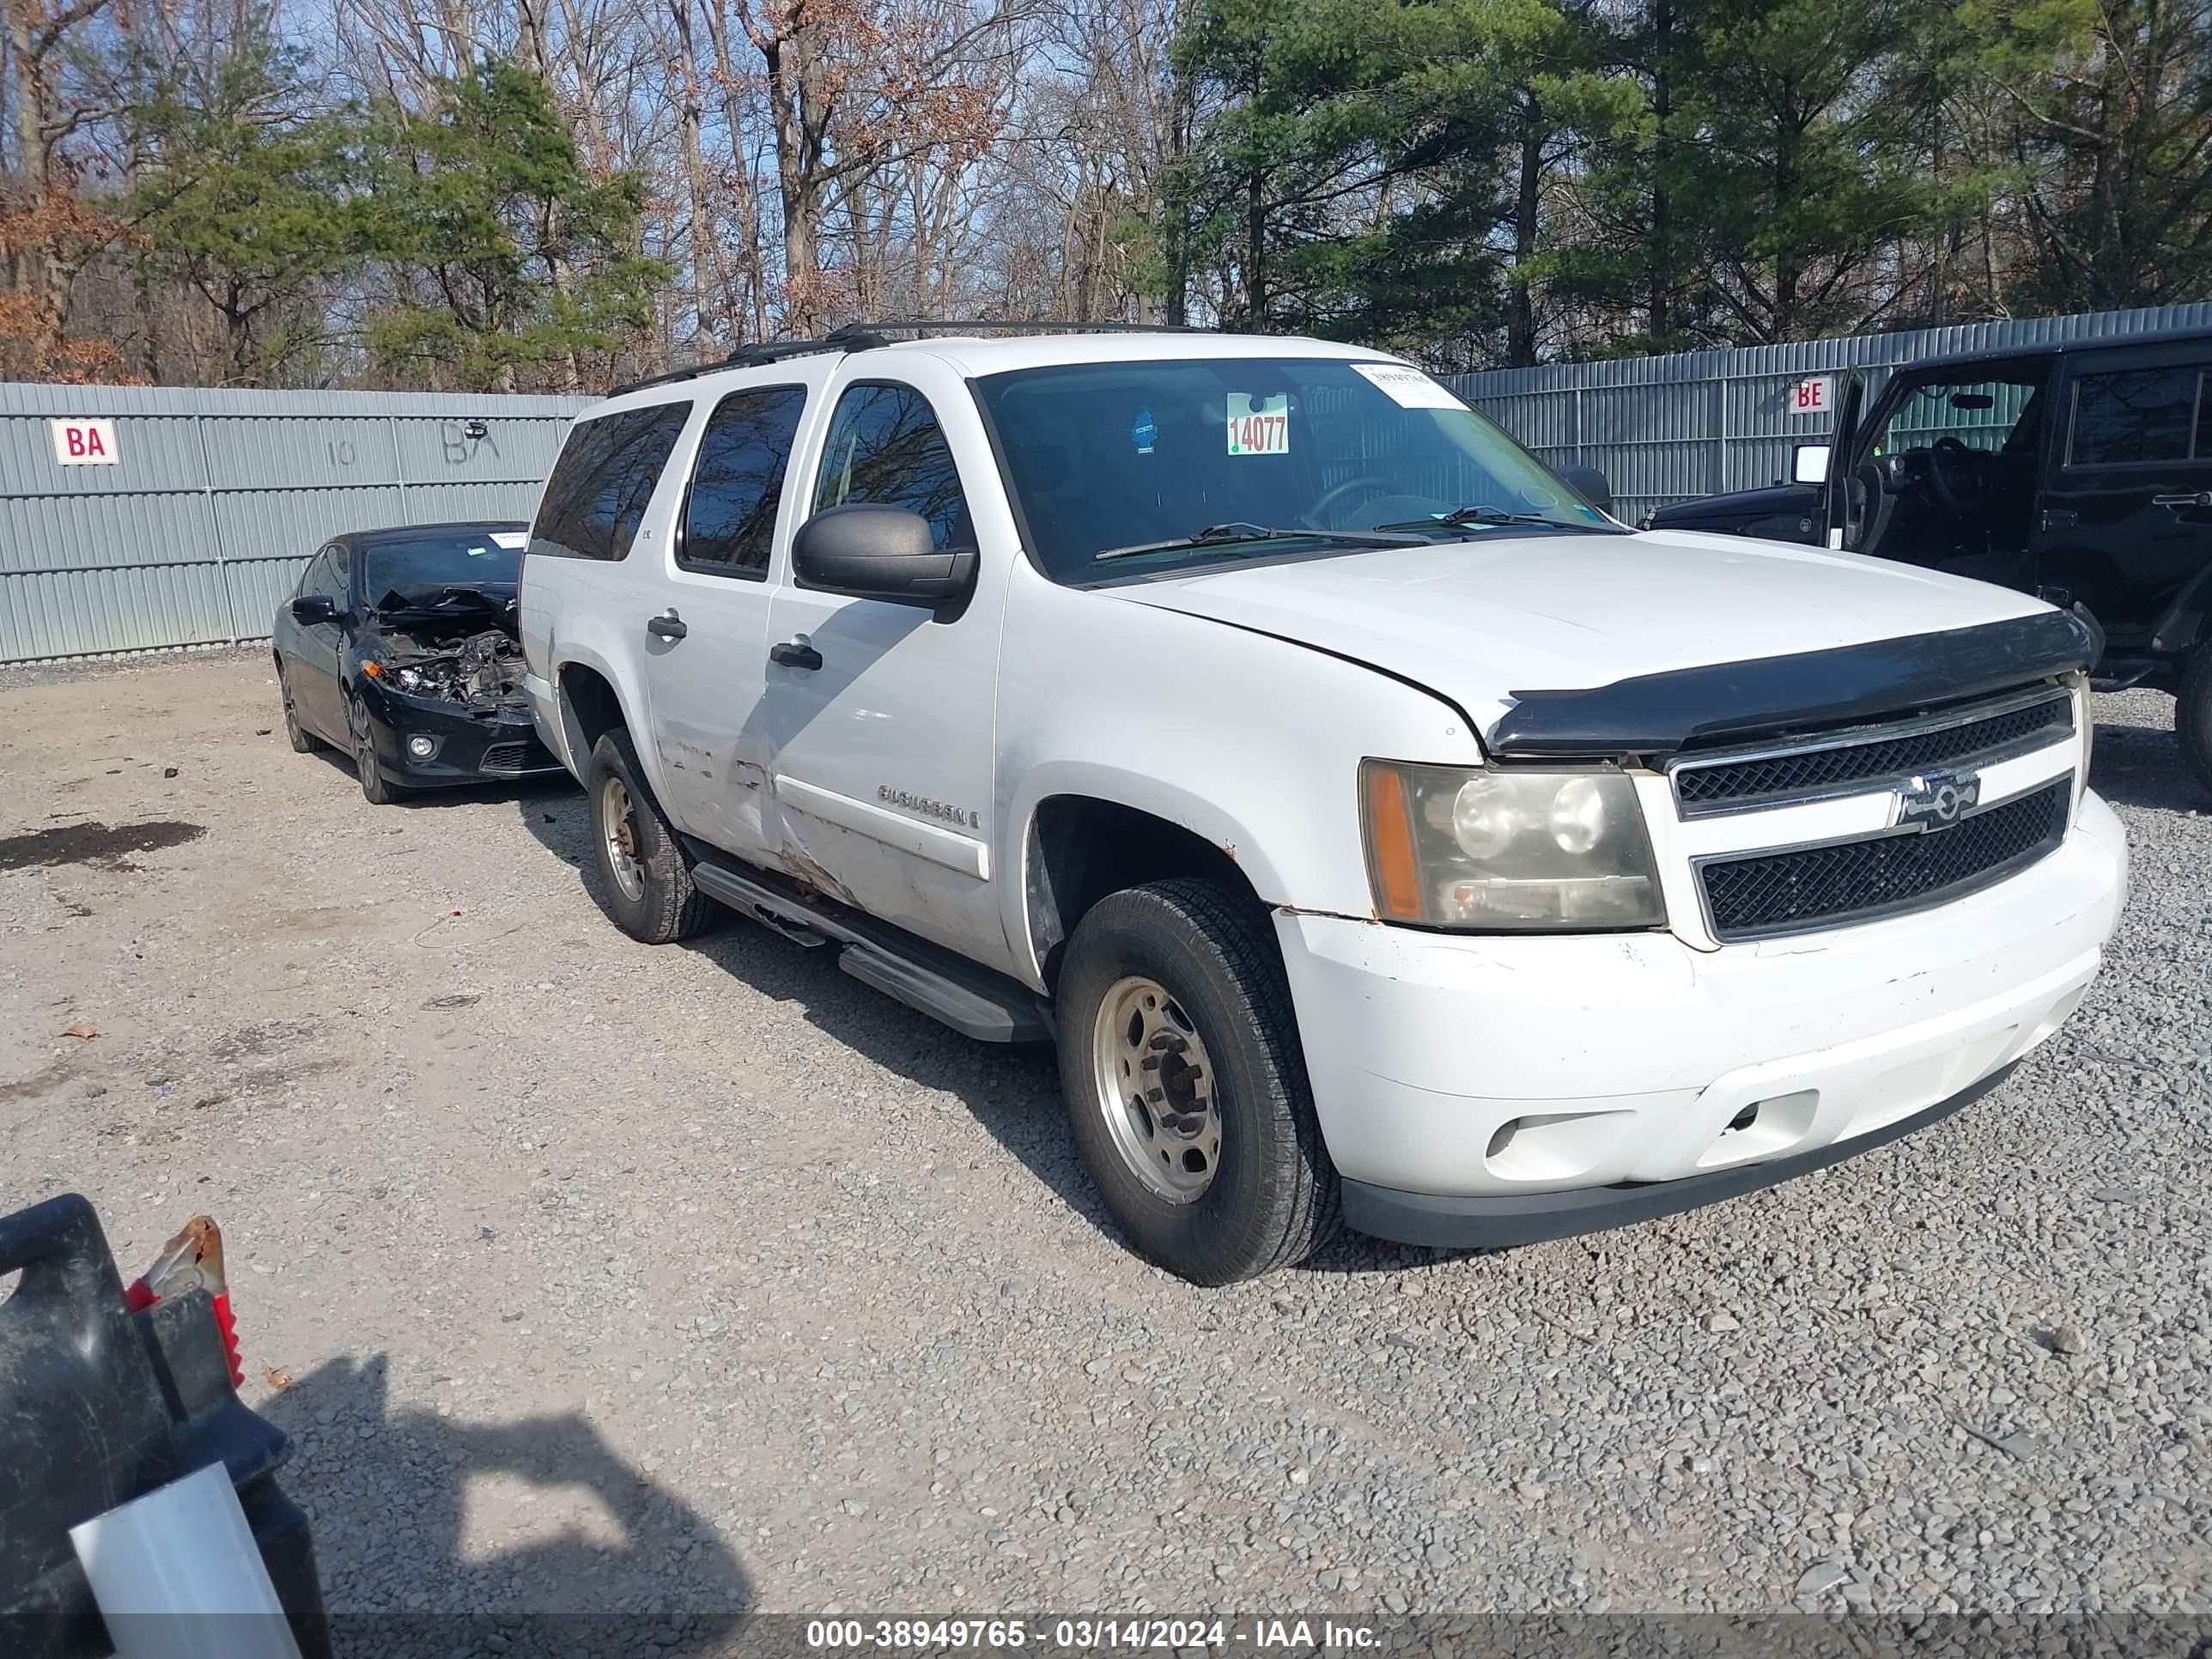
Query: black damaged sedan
[(400, 648)]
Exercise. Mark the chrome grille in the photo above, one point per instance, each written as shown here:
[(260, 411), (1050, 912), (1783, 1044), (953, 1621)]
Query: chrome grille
[(1848, 761), (1765, 893)]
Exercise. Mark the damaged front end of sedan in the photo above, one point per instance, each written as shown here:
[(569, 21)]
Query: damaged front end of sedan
[(446, 669)]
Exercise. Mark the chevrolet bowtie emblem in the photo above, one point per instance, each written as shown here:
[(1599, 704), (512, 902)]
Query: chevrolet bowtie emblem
[(1933, 799)]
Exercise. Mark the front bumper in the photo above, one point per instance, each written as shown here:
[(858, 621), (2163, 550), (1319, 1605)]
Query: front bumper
[(473, 745), (1481, 1090)]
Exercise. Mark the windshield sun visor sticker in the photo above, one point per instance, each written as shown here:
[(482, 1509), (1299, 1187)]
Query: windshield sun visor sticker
[(1660, 713), (1259, 426), (1143, 432), (1406, 386), (513, 540)]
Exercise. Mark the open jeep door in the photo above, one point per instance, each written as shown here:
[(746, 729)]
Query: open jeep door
[(1845, 513)]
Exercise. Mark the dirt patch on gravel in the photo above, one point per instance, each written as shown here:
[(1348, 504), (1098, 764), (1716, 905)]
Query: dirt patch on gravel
[(109, 845)]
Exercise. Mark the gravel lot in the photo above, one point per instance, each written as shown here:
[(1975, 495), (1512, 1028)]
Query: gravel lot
[(590, 1276)]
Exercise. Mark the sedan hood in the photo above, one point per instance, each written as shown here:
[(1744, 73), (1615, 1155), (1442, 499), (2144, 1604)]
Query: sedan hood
[(1488, 622)]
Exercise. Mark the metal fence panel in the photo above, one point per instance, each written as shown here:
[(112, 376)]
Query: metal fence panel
[(1697, 422), (198, 530)]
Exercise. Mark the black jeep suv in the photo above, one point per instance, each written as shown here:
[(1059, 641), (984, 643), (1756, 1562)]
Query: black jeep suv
[(2083, 472)]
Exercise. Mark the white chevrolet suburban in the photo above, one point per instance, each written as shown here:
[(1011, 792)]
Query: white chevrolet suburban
[(1384, 833)]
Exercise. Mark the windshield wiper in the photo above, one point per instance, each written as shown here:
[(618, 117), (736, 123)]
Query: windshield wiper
[(1227, 535), (1460, 517)]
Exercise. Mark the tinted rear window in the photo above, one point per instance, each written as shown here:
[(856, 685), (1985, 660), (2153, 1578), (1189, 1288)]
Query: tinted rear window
[(603, 482), (2134, 416)]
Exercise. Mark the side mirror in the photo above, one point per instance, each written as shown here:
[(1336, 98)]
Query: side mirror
[(311, 608), (876, 552), (1590, 484), (1809, 465)]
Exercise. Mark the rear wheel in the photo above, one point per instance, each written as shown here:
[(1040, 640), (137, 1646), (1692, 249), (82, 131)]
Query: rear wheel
[(1185, 1087), (645, 882), (295, 734), (375, 788), (2192, 717)]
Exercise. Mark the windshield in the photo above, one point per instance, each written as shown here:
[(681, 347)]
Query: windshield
[(2000, 410), (418, 566), (1135, 461)]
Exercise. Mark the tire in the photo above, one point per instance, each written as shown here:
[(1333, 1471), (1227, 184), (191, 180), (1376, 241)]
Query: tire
[(375, 788), (2192, 717), (1271, 1197), (297, 735), (650, 898)]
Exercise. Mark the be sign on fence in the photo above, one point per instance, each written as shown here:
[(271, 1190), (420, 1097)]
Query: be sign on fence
[(1812, 396), (84, 443)]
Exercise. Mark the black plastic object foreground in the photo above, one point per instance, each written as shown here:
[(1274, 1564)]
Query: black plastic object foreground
[(1661, 714), (98, 1406)]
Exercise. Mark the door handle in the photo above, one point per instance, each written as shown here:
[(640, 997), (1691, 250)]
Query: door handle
[(795, 654), (669, 627), (2202, 498)]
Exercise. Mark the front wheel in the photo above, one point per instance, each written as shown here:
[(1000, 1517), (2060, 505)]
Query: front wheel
[(1185, 1087), (2192, 718), (375, 788)]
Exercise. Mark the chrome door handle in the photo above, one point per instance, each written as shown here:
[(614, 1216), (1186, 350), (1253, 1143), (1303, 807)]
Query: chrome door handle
[(669, 627), (2202, 498)]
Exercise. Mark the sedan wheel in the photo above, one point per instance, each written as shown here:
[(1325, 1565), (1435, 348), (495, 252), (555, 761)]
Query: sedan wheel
[(373, 788), (302, 743)]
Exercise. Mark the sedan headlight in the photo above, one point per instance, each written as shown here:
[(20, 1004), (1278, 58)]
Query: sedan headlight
[(1458, 846)]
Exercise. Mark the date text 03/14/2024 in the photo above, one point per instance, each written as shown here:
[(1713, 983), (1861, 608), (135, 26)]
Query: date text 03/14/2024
[(1089, 1635)]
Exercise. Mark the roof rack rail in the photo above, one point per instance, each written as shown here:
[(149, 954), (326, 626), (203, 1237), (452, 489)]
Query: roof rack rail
[(866, 337), (874, 331)]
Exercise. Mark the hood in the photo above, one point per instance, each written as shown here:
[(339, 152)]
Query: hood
[(1488, 622), (439, 618)]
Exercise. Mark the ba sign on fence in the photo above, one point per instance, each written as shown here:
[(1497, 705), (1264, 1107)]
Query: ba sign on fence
[(84, 443), (1815, 395)]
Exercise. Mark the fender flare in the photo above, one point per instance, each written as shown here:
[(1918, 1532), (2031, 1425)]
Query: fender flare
[(1170, 802), (2181, 626)]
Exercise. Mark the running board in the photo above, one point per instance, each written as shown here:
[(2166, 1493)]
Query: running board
[(2121, 674), (971, 998)]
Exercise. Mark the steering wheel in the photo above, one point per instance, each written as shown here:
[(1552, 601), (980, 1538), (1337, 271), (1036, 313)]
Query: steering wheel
[(1317, 515), (1954, 473)]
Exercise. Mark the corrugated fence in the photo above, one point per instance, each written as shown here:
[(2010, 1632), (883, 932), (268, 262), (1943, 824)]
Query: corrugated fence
[(196, 531), (1673, 428)]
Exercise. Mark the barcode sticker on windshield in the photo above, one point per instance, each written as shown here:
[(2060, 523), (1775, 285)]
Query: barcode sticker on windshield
[(1407, 388), (1259, 426), (511, 539)]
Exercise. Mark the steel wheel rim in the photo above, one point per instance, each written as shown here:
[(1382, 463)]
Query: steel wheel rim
[(618, 833), (1157, 1089)]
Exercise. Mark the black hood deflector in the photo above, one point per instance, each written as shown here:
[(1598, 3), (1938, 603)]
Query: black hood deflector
[(1661, 713)]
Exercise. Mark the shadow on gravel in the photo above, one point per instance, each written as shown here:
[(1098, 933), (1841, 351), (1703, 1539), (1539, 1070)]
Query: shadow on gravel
[(1014, 1092), (615, 1555), (2141, 766), (548, 785)]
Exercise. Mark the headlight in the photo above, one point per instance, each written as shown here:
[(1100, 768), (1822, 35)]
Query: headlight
[(433, 676), (1455, 846)]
